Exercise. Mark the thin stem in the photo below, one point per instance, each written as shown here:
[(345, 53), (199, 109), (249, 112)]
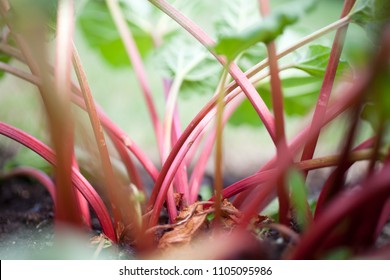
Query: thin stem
[(167, 141), (135, 57), (63, 80), (108, 173), (218, 172), (277, 102), (327, 84), (198, 172), (260, 178), (171, 101), (128, 162), (12, 51), (20, 74)]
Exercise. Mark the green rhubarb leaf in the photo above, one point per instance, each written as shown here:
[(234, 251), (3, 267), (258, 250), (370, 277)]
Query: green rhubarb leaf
[(101, 34), (371, 15), (315, 61), (300, 95), (146, 17), (145, 21), (190, 65), (264, 31), (245, 114), (235, 17)]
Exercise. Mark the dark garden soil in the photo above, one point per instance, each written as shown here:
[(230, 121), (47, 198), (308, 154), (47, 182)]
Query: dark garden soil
[(26, 218), (27, 231)]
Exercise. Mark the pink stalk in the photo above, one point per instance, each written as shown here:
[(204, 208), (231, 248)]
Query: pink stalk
[(83, 203), (38, 175), (280, 136), (111, 183), (171, 94), (327, 85), (135, 57), (200, 166), (171, 165), (128, 162), (77, 179), (122, 137), (62, 75), (181, 179)]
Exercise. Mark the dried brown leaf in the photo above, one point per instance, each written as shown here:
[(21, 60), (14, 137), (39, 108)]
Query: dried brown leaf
[(184, 233)]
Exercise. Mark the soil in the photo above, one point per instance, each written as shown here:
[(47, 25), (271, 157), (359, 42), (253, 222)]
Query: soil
[(26, 218), (27, 231)]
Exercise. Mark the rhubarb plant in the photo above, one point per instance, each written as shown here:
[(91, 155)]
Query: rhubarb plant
[(249, 66)]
